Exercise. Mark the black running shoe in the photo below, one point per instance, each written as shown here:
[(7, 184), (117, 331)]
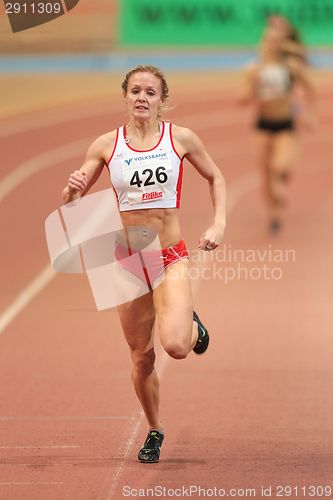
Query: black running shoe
[(203, 337), (150, 451)]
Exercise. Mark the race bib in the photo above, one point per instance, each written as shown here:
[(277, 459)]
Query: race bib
[(147, 180)]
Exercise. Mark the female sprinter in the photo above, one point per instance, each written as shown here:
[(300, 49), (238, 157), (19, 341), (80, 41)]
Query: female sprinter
[(294, 51), (145, 90), (269, 84)]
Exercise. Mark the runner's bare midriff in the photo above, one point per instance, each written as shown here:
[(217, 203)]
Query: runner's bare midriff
[(164, 220), (275, 110)]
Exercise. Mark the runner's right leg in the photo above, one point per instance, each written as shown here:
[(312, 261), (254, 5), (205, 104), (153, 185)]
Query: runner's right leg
[(137, 319)]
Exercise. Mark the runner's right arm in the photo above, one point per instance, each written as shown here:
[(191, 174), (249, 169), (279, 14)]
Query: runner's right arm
[(82, 180)]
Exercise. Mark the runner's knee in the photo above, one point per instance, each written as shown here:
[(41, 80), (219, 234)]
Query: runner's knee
[(144, 362), (176, 349)]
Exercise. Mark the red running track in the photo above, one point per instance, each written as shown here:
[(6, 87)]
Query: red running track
[(255, 410)]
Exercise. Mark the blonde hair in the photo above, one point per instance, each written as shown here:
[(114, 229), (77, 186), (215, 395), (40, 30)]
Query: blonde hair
[(147, 69)]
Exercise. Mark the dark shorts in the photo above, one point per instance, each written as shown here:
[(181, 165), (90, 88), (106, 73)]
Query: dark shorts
[(274, 127)]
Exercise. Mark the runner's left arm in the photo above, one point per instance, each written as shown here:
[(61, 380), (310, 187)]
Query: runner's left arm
[(197, 155)]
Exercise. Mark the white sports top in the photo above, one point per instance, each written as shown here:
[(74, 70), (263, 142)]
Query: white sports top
[(274, 81), (146, 179)]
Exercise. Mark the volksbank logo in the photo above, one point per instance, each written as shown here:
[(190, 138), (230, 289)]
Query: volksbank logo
[(26, 14), (144, 158)]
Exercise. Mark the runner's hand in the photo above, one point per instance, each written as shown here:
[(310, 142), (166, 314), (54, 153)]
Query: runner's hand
[(77, 181), (211, 238)]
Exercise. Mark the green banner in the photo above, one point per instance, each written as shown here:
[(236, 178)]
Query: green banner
[(219, 22)]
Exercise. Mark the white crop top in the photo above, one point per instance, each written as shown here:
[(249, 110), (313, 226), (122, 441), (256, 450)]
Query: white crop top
[(274, 82), (146, 179)]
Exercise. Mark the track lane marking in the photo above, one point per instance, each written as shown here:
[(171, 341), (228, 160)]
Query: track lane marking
[(106, 417), (41, 162), (28, 447), (26, 296), (30, 483)]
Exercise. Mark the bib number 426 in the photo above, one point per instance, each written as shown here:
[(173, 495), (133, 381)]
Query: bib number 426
[(148, 178)]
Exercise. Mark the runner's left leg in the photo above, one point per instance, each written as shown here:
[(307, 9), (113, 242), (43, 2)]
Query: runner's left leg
[(174, 308)]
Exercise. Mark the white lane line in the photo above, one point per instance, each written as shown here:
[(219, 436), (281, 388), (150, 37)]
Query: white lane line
[(55, 117), (116, 475), (11, 464), (53, 447), (30, 483), (41, 162), (245, 184), (49, 119), (26, 296), (38, 418)]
